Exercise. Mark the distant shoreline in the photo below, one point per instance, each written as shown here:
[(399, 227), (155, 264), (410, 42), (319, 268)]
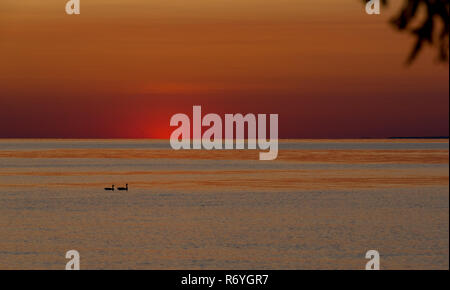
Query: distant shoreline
[(433, 137)]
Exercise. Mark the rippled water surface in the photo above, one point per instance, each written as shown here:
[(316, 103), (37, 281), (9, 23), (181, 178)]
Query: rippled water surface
[(321, 205)]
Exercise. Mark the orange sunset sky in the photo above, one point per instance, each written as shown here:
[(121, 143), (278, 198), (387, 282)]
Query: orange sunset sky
[(123, 68)]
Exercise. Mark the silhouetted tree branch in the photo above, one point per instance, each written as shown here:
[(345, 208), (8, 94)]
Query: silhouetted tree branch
[(433, 30)]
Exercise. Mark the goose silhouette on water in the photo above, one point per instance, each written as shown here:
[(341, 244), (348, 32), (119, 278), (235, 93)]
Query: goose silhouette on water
[(123, 188), (110, 188)]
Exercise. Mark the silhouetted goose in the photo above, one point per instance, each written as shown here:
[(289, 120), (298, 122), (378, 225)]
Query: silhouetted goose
[(123, 188), (110, 188)]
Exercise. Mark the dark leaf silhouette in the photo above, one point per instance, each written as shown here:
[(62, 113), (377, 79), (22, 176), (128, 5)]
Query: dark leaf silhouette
[(432, 30)]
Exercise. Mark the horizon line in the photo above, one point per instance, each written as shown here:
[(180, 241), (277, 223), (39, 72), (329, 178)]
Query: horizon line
[(297, 138)]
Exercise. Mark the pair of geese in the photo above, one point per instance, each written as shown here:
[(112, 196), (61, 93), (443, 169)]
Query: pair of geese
[(119, 188)]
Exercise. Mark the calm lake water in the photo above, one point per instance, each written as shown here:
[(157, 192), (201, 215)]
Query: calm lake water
[(321, 205)]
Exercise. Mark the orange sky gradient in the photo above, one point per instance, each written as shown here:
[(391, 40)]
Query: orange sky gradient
[(123, 68)]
